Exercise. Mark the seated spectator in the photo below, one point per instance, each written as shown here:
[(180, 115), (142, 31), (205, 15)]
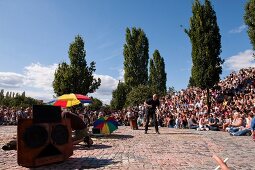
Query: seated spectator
[(213, 123), (203, 123), (171, 121), (192, 123), (244, 131), (253, 127), (184, 122), (236, 123), (226, 122)]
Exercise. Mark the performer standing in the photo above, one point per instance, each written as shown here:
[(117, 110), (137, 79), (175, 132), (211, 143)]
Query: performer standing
[(151, 105)]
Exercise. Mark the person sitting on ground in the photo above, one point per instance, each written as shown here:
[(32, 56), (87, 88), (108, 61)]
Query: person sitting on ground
[(253, 127), (192, 122), (247, 130), (203, 122), (236, 123), (213, 123), (226, 122)]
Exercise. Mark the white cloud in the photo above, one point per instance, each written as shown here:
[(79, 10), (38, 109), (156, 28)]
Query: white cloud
[(11, 80), (108, 84), (39, 76), (37, 79), (238, 30), (241, 60)]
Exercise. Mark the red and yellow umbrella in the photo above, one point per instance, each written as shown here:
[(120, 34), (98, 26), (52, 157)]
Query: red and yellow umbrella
[(69, 100)]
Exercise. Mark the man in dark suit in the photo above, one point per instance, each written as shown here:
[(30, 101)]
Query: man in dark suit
[(151, 105)]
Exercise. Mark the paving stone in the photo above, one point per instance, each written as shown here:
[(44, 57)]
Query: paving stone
[(132, 149)]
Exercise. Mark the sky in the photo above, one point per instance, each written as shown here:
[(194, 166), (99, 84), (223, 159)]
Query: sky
[(35, 37)]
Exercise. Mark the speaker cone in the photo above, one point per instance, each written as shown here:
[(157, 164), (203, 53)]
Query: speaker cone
[(35, 136), (59, 134)]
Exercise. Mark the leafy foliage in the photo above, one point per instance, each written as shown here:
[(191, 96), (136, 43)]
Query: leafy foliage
[(17, 100), (138, 95), (76, 77), (249, 18), (95, 105), (206, 45), (157, 77), (205, 38), (119, 96), (136, 56)]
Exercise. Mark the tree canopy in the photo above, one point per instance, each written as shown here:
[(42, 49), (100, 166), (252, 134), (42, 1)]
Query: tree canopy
[(76, 77), (136, 56), (249, 18), (138, 95), (157, 77), (205, 39), (119, 96)]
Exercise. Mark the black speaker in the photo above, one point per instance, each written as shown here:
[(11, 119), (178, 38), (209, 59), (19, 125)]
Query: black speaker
[(45, 139), (46, 114)]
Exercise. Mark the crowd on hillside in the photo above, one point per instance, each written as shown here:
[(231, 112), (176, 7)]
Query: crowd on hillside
[(232, 108)]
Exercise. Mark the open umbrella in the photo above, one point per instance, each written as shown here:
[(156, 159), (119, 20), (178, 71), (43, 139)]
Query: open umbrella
[(68, 100), (106, 124)]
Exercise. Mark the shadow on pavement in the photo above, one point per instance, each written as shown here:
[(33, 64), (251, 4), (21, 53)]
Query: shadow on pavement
[(114, 136), (79, 163), (96, 146), (180, 133)]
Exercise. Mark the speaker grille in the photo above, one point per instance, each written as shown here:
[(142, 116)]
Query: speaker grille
[(35, 136), (59, 134)]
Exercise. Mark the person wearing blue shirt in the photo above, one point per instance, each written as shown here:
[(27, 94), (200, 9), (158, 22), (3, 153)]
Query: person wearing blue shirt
[(253, 127)]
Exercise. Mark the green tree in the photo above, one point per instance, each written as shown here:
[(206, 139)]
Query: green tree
[(76, 77), (7, 94), (95, 105), (23, 95), (249, 18), (138, 95), (157, 77), (119, 96), (152, 82), (171, 90), (2, 94), (205, 39), (136, 56), (191, 82), (62, 77)]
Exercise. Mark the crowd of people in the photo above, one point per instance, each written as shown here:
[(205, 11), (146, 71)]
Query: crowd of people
[(232, 108), (10, 115)]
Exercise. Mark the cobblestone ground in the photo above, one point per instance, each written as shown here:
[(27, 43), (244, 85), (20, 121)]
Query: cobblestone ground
[(132, 149)]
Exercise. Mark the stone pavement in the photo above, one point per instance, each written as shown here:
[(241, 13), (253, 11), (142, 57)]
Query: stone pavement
[(132, 149)]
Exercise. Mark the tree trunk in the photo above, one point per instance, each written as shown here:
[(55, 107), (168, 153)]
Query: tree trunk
[(208, 101)]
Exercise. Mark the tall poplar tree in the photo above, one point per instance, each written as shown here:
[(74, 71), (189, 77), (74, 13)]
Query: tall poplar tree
[(249, 18), (77, 77), (136, 56), (157, 77), (205, 39)]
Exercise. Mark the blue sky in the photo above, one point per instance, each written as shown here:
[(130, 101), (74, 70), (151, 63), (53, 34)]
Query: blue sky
[(35, 37)]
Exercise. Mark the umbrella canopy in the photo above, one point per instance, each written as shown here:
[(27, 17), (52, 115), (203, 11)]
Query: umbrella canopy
[(106, 124), (68, 100)]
